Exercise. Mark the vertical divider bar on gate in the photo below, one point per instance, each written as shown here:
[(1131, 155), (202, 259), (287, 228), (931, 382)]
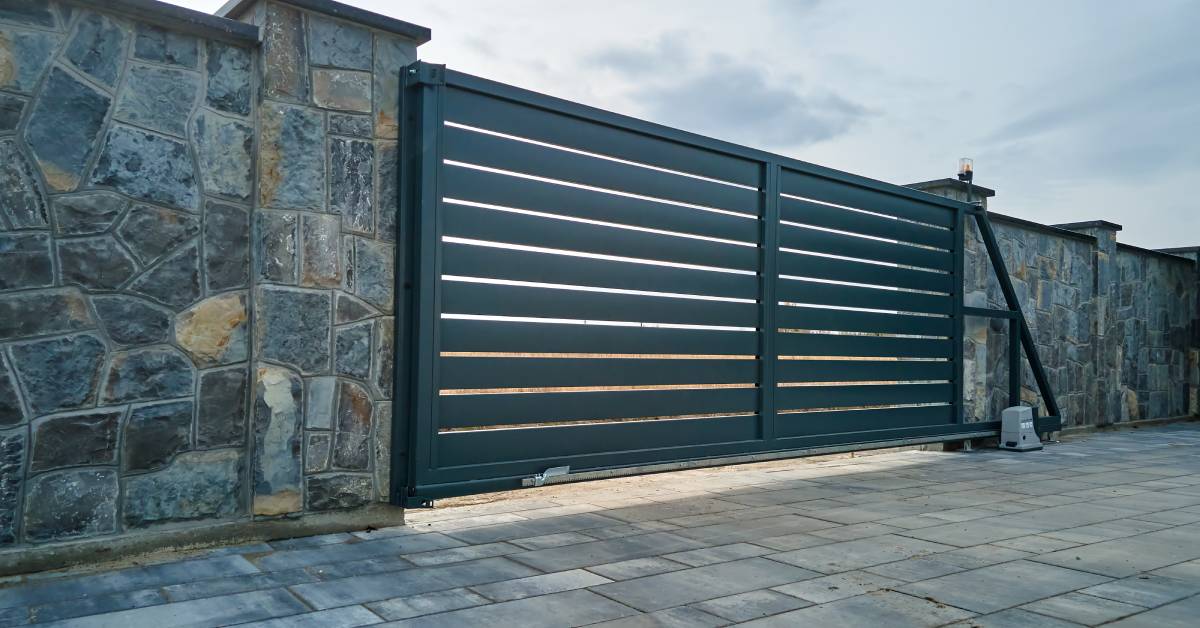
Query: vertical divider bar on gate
[(769, 303), (958, 287), (418, 267)]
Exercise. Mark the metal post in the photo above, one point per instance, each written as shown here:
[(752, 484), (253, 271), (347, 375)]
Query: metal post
[(1014, 362), (770, 302)]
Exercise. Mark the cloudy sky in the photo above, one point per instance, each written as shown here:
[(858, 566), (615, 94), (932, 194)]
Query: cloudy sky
[(1072, 109)]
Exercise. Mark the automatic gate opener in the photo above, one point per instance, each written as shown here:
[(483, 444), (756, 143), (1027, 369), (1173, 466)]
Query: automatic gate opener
[(540, 478), (1016, 430)]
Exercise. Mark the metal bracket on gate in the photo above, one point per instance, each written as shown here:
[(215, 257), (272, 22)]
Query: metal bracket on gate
[(540, 478), (413, 501)]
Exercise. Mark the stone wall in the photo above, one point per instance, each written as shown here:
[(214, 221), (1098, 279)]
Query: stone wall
[(1116, 327), (196, 244)]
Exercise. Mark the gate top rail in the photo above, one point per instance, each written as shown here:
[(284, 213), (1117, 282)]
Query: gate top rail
[(453, 78)]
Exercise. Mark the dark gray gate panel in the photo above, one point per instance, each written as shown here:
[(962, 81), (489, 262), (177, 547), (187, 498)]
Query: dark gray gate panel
[(586, 289)]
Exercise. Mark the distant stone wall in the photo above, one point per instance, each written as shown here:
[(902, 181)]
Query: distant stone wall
[(196, 249), (1116, 327)]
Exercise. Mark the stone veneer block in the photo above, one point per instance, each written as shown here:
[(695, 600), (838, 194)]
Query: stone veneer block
[(155, 433), (224, 150), (21, 203), (352, 183), (221, 418), (292, 173), (391, 53), (152, 43), (148, 375), (349, 309), (59, 373), (87, 213), (160, 99), (129, 320), (70, 504), (62, 128), (98, 47), (316, 452), (95, 263), (319, 403), (275, 246), (337, 490), (175, 282), (293, 328), (77, 439), (43, 313), (12, 477), (12, 411), (213, 331), (384, 356), (387, 190), (148, 167), (347, 124), (226, 246), (26, 260), (342, 89), (28, 12), (228, 78), (320, 234), (277, 444), (383, 449), (26, 55), (338, 44), (352, 351), (11, 108), (353, 408), (285, 52), (374, 264), (197, 485)]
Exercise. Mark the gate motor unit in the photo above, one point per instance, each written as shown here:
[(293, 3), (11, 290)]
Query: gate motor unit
[(1016, 430)]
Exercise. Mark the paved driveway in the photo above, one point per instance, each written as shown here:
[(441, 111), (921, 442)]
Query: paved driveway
[(1097, 530)]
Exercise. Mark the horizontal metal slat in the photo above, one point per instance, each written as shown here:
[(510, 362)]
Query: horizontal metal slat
[(789, 317), (817, 267), (462, 335), (516, 265), (818, 241), (492, 225), (505, 116), (862, 370), (797, 291), (830, 191), (862, 346), (526, 408), (845, 421), (804, 397), (507, 154), (474, 373), (554, 445), (810, 213), (493, 188), (500, 300)]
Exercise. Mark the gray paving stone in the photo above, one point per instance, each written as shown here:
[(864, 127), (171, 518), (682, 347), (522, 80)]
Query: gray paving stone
[(1181, 614), (702, 583), (428, 603), (344, 617), (235, 584), (851, 555), (352, 551), (1083, 609), (636, 568), (373, 588), (836, 587), (719, 554), (1147, 590), (997, 587), (95, 605), (540, 585), (569, 608), (460, 554), (552, 540), (679, 617), (217, 611), (1015, 618), (736, 531), (608, 551), (914, 569), (883, 608), (751, 605), (1128, 556)]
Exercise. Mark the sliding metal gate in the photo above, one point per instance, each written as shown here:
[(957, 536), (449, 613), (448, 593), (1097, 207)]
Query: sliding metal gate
[(583, 289)]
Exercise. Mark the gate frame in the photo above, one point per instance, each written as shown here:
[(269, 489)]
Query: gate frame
[(418, 268)]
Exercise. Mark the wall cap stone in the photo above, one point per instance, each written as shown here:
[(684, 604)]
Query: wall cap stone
[(177, 18), (1089, 224), (1161, 254), (976, 190), (233, 9), (1037, 226)]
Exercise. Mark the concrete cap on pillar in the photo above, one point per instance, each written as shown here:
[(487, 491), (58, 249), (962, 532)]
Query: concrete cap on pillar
[(233, 9)]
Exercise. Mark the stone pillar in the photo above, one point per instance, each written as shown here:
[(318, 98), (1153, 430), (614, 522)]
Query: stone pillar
[(1111, 401), (323, 246), (1193, 357)]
